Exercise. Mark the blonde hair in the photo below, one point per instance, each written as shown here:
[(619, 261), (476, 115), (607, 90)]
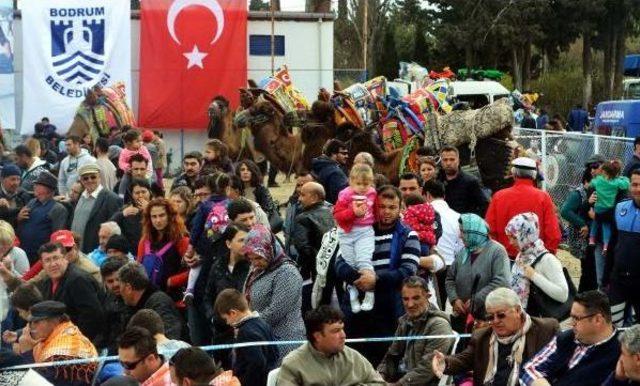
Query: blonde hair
[(7, 234), (361, 171), (34, 145)]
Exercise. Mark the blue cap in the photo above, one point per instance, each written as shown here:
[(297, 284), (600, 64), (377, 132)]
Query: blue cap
[(10, 170)]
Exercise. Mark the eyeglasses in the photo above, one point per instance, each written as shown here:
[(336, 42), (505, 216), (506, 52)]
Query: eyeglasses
[(131, 365), (499, 315), (89, 177), (576, 319), (51, 259)]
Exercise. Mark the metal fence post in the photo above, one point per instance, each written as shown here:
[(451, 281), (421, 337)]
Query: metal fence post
[(543, 146), (596, 144)]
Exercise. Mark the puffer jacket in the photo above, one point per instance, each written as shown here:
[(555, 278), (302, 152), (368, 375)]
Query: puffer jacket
[(413, 354)]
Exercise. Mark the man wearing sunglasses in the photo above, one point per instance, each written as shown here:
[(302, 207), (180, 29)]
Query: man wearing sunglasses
[(585, 355), (139, 357), (72, 163), (496, 353), (59, 339), (95, 207)]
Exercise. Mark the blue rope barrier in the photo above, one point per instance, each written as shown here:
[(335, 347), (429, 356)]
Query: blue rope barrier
[(238, 345)]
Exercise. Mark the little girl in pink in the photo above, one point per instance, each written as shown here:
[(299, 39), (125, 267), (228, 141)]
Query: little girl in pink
[(354, 213)]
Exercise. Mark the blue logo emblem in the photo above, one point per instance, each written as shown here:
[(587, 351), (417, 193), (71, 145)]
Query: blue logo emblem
[(77, 44)]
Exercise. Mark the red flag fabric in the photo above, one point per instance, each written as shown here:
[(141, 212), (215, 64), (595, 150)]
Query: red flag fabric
[(190, 52)]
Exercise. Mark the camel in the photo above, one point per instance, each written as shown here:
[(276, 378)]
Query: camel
[(102, 109), (282, 147)]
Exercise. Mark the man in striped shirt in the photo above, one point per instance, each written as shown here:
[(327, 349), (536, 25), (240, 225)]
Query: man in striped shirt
[(396, 256)]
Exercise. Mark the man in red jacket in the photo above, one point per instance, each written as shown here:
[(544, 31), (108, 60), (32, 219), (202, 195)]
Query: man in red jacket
[(522, 197)]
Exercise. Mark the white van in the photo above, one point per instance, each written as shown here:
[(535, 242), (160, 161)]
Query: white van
[(478, 93)]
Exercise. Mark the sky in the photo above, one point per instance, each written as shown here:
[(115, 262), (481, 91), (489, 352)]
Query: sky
[(287, 5)]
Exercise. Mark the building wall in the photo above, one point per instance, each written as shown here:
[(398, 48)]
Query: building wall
[(308, 54)]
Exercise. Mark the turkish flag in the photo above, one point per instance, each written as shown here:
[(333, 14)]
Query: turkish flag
[(190, 52)]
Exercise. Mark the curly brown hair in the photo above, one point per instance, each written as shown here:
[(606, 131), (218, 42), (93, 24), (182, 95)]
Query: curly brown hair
[(176, 229)]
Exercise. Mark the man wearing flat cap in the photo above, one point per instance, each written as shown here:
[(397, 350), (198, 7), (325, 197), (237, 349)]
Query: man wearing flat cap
[(12, 196), (58, 339), (41, 216), (522, 197), (95, 206)]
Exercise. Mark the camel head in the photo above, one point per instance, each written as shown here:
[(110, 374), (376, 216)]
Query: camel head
[(218, 108)]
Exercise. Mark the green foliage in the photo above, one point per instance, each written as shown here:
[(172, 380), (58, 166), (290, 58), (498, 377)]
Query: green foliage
[(259, 5)]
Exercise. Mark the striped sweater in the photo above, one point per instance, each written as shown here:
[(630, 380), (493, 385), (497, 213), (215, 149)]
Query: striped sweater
[(396, 257)]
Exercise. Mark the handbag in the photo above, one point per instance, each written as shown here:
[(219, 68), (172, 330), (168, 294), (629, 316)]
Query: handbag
[(542, 305), (275, 219)]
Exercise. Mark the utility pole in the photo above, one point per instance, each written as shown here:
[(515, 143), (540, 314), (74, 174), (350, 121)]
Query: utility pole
[(272, 6), (365, 35)]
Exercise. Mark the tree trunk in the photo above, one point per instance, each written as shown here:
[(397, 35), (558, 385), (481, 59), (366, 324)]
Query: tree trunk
[(587, 69), (468, 57), (526, 65), (618, 67), (606, 61), (517, 73), (545, 61)]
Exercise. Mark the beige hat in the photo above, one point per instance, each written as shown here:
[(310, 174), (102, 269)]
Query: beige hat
[(88, 169)]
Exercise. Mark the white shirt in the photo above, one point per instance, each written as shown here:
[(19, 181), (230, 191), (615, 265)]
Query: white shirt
[(93, 194), (449, 243)]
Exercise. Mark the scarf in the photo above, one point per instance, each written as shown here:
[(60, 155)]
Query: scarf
[(475, 234), (67, 342), (261, 242), (525, 229), (518, 340)]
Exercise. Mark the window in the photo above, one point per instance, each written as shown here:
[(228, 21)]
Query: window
[(260, 45)]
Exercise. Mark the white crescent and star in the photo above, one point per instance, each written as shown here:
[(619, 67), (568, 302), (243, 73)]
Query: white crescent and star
[(195, 56)]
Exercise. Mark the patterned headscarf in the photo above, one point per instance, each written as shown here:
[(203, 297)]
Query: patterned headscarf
[(260, 241), (475, 232), (525, 229)]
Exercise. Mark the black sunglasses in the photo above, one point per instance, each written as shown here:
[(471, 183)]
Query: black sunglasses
[(131, 365), (89, 177), (498, 315)]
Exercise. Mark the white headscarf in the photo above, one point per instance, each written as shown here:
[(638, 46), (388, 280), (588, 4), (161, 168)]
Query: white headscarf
[(524, 227)]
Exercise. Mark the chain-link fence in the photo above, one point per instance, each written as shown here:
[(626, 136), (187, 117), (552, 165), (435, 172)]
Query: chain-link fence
[(564, 156)]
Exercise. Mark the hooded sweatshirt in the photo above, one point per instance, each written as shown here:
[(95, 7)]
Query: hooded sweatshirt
[(69, 167)]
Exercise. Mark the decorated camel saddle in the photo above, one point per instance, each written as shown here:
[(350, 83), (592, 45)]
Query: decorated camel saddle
[(102, 109)]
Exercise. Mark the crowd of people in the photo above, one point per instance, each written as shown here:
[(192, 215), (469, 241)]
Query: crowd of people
[(100, 257)]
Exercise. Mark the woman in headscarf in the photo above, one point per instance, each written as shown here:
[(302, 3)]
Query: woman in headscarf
[(524, 233), (480, 267), (274, 287)]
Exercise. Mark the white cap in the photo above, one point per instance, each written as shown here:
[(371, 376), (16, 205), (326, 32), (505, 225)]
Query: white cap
[(524, 163)]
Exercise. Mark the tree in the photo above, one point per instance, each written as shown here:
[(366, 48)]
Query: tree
[(259, 5)]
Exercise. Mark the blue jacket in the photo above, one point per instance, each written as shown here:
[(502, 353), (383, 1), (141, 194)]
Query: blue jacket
[(612, 381), (627, 253), (578, 119), (553, 360), (330, 175), (252, 364)]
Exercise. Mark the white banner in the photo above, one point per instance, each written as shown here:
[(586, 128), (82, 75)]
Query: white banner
[(7, 53), (69, 46)]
